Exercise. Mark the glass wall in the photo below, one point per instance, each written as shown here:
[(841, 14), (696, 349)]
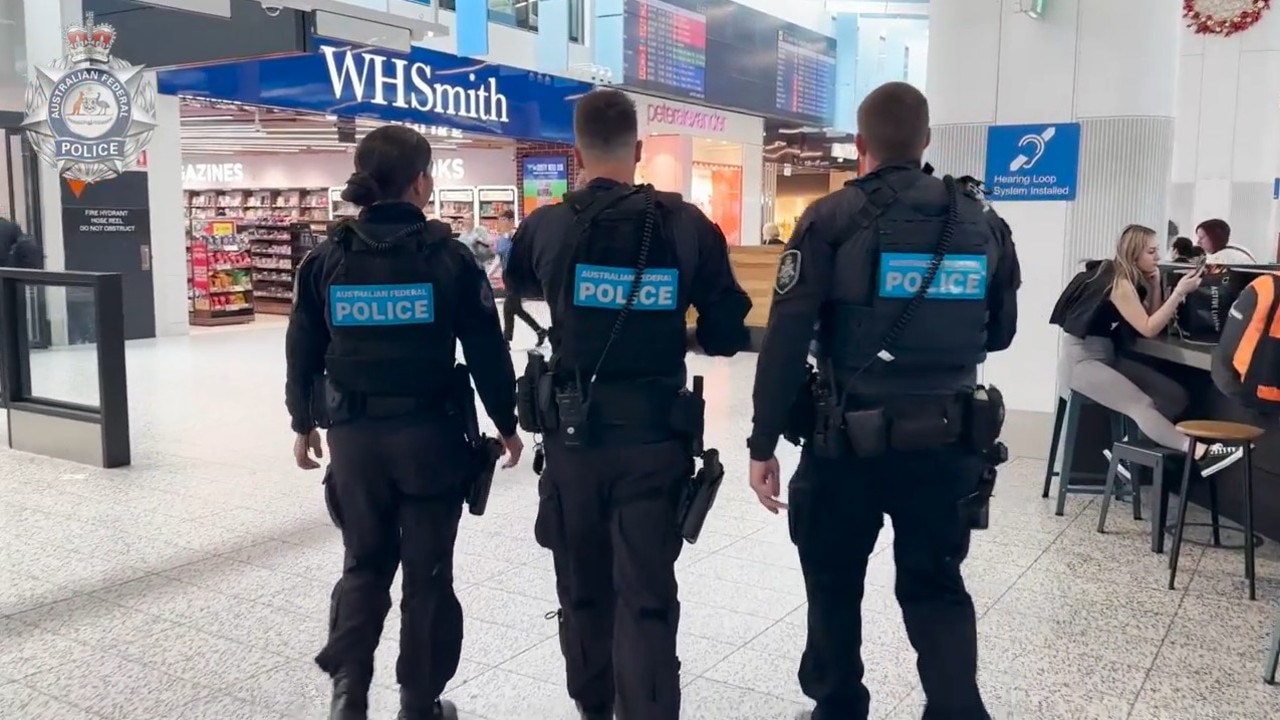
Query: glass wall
[(13, 56), (523, 14)]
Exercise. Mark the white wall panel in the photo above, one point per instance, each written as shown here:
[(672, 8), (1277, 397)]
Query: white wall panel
[(1037, 61), (1119, 43), (964, 91), (1187, 122)]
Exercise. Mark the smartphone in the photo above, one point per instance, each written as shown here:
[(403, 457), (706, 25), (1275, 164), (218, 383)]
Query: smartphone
[(1201, 262)]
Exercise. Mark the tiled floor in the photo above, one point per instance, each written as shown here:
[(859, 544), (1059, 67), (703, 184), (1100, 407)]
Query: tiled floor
[(194, 584)]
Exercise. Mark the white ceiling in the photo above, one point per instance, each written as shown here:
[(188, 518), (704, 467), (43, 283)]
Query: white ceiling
[(221, 128)]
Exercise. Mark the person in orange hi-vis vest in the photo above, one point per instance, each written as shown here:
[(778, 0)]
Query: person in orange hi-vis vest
[(1246, 361)]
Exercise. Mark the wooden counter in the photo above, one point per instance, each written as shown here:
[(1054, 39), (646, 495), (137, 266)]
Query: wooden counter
[(755, 268)]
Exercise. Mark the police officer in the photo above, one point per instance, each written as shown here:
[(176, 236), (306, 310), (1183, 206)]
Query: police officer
[(896, 401), (379, 307), (616, 461)]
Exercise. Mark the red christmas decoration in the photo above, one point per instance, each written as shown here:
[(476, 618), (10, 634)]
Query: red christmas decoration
[(1209, 17)]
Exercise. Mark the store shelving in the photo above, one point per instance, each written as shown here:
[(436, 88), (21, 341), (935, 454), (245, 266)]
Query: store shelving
[(456, 206), (219, 288), (277, 251), (293, 204), (492, 202)]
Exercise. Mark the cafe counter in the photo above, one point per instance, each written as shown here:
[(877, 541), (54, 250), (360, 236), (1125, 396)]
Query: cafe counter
[(755, 268), (1188, 363)]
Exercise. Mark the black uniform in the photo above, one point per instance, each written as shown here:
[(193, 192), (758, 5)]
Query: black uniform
[(379, 308), (608, 507), (857, 257)]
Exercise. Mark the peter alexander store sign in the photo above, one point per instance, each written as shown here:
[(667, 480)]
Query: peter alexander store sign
[(686, 117)]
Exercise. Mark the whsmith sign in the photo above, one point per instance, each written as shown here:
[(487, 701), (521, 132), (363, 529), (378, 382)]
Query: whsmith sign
[(398, 82), (424, 87)]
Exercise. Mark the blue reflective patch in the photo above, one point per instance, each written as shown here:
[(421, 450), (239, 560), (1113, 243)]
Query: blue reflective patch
[(599, 286), (961, 277), (382, 304)]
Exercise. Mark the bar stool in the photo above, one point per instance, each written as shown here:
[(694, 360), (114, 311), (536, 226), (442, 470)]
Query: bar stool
[(1273, 656), (1232, 434), (1068, 414), (1141, 453)]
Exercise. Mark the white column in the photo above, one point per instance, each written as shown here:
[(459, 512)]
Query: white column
[(168, 222), (1228, 134), (1085, 63), (45, 22), (752, 193)]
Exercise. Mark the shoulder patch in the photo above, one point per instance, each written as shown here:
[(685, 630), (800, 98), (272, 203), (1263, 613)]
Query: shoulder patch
[(788, 271)]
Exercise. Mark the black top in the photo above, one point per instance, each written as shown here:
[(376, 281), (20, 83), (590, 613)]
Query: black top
[(1084, 309), (477, 322), (824, 227), (543, 248)]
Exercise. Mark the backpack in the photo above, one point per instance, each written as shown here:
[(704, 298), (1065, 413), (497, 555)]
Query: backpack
[(1256, 360)]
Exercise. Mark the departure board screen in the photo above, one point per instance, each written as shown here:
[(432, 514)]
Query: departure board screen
[(669, 48), (806, 76), (729, 55)]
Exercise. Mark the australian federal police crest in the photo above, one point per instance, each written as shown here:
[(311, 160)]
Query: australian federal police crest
[(88, 114)]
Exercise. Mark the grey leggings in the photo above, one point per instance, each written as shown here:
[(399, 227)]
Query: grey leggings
[(1137, 391)]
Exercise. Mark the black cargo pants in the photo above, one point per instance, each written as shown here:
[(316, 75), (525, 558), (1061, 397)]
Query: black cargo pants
[(608, 515), (398, 484), (837, 509)]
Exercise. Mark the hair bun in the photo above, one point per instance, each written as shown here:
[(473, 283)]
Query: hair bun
[(361, 190)]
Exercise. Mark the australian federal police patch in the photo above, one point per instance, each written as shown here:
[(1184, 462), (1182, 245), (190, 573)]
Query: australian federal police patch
[(88, 114), (788, 272)]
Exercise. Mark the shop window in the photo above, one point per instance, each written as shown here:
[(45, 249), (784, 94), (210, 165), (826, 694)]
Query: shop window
[(523, 14)]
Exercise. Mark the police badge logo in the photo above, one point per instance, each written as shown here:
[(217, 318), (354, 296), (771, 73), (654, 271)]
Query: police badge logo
[(88, 114), (788, 271)]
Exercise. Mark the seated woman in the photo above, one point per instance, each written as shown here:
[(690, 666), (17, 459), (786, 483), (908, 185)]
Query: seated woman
[(1184, 251), (1109, 301), (1214, 236)]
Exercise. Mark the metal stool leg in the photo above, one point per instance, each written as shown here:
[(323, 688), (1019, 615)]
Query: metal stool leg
[(1249, 569), (1213, 511), (1176, 550), (1068, 454), (1273, 657), (1135, 485), (1109, 491), (1058, 415)]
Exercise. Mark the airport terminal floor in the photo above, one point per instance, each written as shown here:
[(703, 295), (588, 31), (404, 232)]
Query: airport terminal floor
[(195, 584)]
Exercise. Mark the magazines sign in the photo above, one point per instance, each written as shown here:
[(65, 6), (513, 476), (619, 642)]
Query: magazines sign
[(88, 114)]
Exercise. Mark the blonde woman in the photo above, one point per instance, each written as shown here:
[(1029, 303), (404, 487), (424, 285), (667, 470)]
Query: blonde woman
[(1117, 298)]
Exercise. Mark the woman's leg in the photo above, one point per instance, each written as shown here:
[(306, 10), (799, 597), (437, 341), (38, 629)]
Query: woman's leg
[(1106, 386), (1170, 397)]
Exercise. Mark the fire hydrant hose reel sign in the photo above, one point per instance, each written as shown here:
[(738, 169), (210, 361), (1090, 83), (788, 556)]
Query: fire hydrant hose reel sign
[(1030, 163)]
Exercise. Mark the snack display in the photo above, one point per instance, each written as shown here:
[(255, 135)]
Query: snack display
[(220, 278)]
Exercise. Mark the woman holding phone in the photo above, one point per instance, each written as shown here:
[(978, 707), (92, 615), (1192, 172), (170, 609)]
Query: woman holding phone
[(1108, 302)]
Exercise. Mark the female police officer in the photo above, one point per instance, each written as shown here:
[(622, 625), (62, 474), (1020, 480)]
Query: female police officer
[(378, 309)]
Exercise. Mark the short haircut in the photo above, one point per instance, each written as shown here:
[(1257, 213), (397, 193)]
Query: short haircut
[(604, 123), (893, 121), (1218, 233), (507, 215), (1183, 247)]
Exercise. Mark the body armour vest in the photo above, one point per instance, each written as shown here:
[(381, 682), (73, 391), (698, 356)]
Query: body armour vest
[(614, 233), (390, 312), (883, 264)]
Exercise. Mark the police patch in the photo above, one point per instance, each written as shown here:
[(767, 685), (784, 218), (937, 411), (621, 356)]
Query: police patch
[(788, 272)]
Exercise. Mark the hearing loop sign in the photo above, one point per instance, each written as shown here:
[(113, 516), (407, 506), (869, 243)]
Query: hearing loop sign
[(1032, 162)]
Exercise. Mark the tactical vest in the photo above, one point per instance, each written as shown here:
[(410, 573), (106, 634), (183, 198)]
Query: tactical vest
[(390, 311), (614, 233), (889, 259)]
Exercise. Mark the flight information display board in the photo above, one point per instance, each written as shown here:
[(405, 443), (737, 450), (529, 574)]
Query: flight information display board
[(730, 55), (670, 47), (806, 78)]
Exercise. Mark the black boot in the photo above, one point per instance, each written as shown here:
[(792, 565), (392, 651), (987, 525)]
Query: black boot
[(413, 707), (350, 697)]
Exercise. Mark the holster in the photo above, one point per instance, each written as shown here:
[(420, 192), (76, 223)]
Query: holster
[(699, 492), (906, 424), (802, 416), (531, 408), (483, 451)]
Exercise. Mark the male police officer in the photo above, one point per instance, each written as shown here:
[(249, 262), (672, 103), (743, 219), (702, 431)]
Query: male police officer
[(619, 265), (379, 308), (895, 403)]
